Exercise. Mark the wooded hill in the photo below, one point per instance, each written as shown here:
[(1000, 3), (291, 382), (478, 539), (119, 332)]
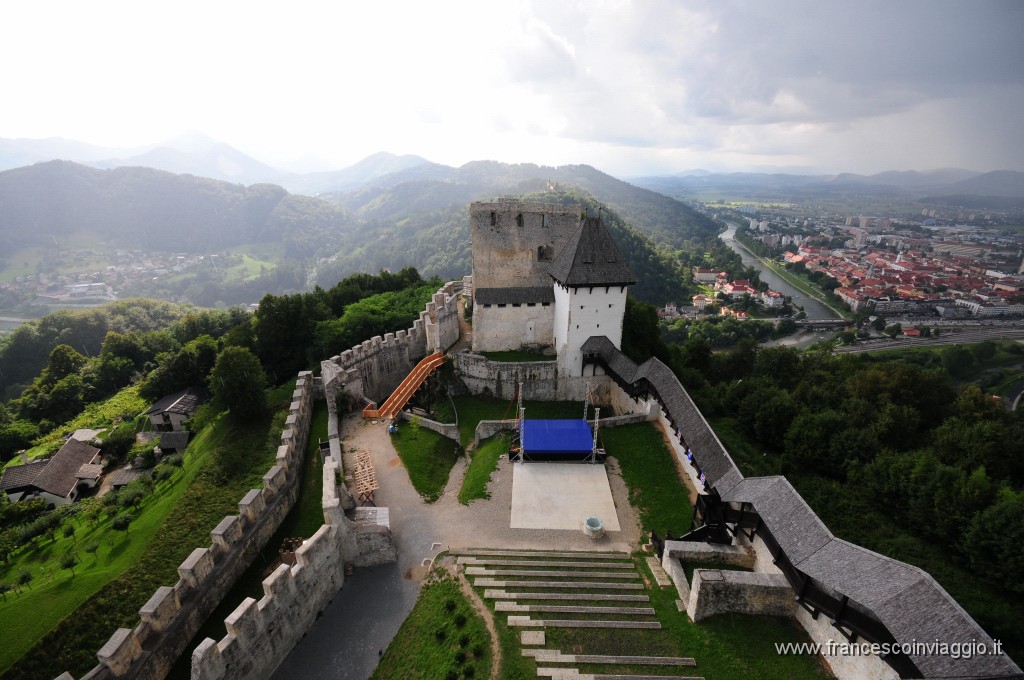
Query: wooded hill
[(134, 207), (416, 217)]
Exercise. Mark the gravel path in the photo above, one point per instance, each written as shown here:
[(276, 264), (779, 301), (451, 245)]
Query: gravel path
[(365, 615)]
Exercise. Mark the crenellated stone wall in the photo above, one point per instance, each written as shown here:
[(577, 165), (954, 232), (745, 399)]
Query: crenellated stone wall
[(259, 635), (173, 615), (372, 370)]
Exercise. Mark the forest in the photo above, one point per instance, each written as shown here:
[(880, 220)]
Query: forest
[(904, 456), (54, 368)]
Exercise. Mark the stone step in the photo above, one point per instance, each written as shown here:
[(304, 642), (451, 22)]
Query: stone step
[(541, 553), (477, 561), (482, 571), (562, 674), (568, 585), (640, 677), (509, 606), (555, 656), (660, 575), (527, 622), (497, 594)]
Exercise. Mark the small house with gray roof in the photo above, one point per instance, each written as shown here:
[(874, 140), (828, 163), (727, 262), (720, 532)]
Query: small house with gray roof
[(170, 413), (58, 480)]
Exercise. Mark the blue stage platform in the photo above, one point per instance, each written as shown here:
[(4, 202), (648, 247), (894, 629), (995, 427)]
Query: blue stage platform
[(557, 440)]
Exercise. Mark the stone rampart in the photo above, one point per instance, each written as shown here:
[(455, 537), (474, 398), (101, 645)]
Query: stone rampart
[(173, 615), (373, 369), (540, 379), (449, 430), (261, 634), (715, 591), (677, 553)]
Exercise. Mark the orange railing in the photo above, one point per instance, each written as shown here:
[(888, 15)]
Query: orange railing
[(400, 397)]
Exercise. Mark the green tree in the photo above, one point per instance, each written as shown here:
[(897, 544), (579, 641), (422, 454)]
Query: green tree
[(68, 561), (994, 541), (237, 381)]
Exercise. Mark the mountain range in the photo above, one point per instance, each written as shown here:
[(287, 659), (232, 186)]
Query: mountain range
[(199, 155), (941, 182)]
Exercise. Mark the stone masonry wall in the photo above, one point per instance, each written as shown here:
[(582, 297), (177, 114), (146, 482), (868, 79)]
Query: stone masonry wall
[(716, 591), (373, 369), (540, 379), (511, 238), (261, 634), (173, 615)]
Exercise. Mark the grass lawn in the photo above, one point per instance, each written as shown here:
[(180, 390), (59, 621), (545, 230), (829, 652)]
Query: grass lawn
[(428, 458), (729, 647), (126, 404), (515, 355), (128, 568), (650, 473), (443, 637), (482, 462)]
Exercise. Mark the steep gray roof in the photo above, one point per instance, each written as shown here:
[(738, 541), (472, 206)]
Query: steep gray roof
[(21, 476), (906, 600), (174, 441), (514, 296), (184, 402), (591, 258), (792, 522), (718, 467), (60, 475)]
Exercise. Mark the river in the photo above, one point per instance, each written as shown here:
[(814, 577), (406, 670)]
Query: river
[(813, 308)]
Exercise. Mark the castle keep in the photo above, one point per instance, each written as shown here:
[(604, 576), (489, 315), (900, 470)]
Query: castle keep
[(545, 277)]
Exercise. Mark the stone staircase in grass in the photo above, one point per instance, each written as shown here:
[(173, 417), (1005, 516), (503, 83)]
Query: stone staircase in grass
[(603, 587)]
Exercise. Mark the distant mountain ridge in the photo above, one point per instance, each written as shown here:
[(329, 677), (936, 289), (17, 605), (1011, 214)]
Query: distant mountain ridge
[(942, 182), (134, 207)]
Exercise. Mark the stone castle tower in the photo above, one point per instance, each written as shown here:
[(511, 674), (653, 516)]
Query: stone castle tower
[(544, 277)]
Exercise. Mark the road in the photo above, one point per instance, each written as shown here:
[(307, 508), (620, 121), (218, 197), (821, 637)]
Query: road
[(948, 337)]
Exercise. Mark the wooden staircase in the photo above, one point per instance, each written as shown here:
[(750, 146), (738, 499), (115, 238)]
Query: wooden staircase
[(400, 397)]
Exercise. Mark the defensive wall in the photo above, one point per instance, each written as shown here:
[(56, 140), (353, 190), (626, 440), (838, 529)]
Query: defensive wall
[(173, 615), (540, 381), (841, 592), (373, 369)]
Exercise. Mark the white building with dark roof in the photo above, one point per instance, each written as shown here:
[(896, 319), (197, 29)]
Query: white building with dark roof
[(545, 276), (58, 480)]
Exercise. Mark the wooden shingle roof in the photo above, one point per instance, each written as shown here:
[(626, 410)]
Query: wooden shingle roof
[(905, 599), (514, 296), (60, 475), (591, 258), (19, 477)]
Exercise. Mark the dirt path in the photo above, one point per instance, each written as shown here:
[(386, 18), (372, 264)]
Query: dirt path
[(488, 618)]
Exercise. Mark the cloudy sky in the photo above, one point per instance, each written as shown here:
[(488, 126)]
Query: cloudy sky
[(630, 87)]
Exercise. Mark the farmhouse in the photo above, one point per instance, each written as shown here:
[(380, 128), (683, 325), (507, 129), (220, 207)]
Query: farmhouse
[(58, 480)]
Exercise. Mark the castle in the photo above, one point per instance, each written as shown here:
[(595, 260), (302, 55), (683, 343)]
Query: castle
[(547, 277)]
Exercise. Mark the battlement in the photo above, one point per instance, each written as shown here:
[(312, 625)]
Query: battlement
[(293, 597), (172, 616), (372, 369)]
